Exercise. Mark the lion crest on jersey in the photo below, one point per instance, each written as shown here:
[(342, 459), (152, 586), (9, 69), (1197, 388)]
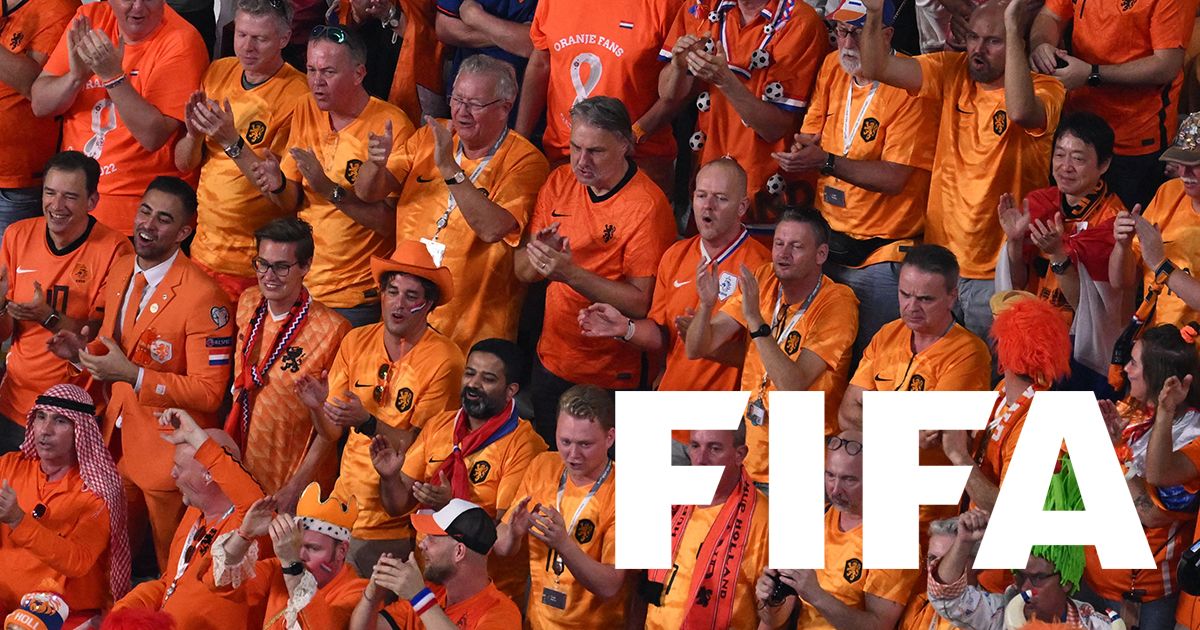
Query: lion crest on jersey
[(256, 132), (352, 167), (869, 130), (999, 122)]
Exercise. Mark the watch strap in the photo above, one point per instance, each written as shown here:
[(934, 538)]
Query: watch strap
[(761, 331), (235, 150), (295, 568), (457, 178)]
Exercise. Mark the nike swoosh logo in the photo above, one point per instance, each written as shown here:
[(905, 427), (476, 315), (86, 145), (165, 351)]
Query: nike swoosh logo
[(555, 213), (23, 270), (961, 110), (681, 284), (423, 180), (883, 380), (357, 384), (435, 461)]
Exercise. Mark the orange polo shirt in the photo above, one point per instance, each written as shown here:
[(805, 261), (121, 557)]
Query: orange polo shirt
[(845, 578), (980, 155), (609, 49), (621, 234), (74, 281), (231, 205), (594, 532), (66, 550), (1176, 215), (494, 472), (164, 69), (487, 295), (827, 329), (28, 141), (420, 386), (488, 609), (882, 123), (341, 269)]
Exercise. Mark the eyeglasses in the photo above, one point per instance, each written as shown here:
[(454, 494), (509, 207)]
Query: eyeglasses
[(381, 388), (334, 34), (1037, 579), (853, 447), (281, 269), (474, 108), (847, 32)]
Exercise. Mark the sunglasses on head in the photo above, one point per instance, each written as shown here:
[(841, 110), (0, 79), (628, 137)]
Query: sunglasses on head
[(333, 33), (381, 388)]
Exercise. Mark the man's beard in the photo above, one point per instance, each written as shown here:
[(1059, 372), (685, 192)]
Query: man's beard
[(438, 574), (851, 64), (481, 407)]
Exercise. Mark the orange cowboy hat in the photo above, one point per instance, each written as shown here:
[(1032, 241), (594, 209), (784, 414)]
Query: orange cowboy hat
[(412, 258)]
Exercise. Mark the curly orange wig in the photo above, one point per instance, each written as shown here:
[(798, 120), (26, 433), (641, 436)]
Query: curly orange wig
[(1033, 340)]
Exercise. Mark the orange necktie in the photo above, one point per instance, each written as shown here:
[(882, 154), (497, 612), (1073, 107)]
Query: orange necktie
[(129, 317)]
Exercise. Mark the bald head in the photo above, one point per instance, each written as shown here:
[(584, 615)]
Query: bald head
[(732, 175)]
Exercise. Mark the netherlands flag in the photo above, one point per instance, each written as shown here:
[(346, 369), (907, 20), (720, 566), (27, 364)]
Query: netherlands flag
[(218, 359), (626, 25)]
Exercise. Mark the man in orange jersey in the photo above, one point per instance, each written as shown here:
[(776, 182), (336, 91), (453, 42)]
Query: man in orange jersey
[(574, 583), (1124, 64), (719, 204), (754, 63), (456, 542), (924, 350), (120, 77), (843, 594), (870, 143), (579, 54), (283, 335), (53, 276), (598, 232), (728, 536), (244, 105), (1166, 249), (71, 539), (389, 379), (806, 345), (165, 341), (479, 452), (328, 141), (467, 193), (218, 493), (29, 33), (308, 583), (995, 136)]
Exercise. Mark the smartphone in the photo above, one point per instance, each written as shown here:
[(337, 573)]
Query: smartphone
[(779, 592)]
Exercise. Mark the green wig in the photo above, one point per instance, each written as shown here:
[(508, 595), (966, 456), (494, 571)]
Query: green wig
[(1064, 495)]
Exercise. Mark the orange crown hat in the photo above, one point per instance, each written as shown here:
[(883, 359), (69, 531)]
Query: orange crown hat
[(1031, 337), (413, 258), (331, 517)]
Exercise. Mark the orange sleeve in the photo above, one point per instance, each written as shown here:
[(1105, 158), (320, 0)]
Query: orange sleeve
[(797, 69), (400, 162), (234, 480), (46, 37), (58, 64), (536, 34), (934, 67), (169, 92), (498, 617), (414, 458), (677, 28), (1051, 94), (1192, 451), (442, 395), (145, 596), (517, 190), (73, 556), (202, 386), (835, 325), (545, 199), (650, 239), (907, 140), (1171, 24), (968, 372), (893, 585), (516, 465), (1063, 10), (814, 117), (863, 376)]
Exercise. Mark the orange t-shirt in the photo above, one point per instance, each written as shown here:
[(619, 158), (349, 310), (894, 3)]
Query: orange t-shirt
[(74, 281), (1177, 216), (594, 532), (27, 142), (670, 615), (619, 235), (793, 39), (71, 537), (419, 387), (959, 361), (827, 328), (674, 296), (884, 123), (1143, 117), (280, 426), (495, 473), (488, 609), (164, 68), (979, 157), (341, 268), (231, 205), (487, 295), (845, 578), (609, 55)]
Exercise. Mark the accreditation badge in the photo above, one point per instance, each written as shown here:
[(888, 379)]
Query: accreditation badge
[(835, 196), (554, 599), (756, 412)]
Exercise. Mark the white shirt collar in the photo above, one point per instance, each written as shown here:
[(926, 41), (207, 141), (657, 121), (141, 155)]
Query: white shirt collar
[(155, 274)]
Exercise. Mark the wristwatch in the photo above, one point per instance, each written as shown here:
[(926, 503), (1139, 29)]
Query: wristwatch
[(295, 568), (1164, 271), (51, 320), (457, 178), (337, 194), (1059, 268), (1094, 78), (830, 161), (761, 331), (234, 150)]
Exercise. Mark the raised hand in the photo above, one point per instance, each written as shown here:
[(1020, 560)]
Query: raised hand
[(285, 537), (182, 426), (706, 283), (1015, 222), (388, 461), (434, 495), (10, 511), (379, 146), (1125, 225), (312, 391), (257, 521)]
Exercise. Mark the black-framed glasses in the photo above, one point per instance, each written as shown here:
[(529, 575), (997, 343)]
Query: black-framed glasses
[(1037, 579), (281, 269), (474, 108), (333, 33), (381, 387), (847, 32), (853, 447)]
